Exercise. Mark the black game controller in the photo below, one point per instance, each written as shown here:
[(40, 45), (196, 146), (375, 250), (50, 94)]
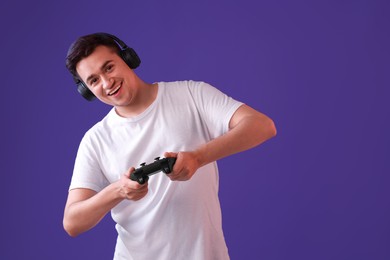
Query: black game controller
[(141, 174)]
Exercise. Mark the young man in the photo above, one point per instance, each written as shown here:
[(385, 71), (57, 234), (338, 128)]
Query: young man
[(172, 216)]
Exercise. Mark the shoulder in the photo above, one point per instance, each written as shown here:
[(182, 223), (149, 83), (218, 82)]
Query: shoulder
[(186, 85), (101, 128)]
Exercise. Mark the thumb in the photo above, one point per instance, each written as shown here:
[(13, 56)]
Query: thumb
[(170, 154), (127, 174)]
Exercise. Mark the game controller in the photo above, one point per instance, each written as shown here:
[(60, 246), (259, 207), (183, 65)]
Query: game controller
[(141, 174)]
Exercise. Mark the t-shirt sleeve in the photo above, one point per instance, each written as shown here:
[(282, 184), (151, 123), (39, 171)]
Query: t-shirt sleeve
[(87, 172), (215, 107)]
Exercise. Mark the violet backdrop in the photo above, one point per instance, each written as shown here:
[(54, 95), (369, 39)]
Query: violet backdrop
[(320, 69)]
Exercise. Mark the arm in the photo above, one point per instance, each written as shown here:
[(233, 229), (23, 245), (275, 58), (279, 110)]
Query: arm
[(85, 208), (247, 129)]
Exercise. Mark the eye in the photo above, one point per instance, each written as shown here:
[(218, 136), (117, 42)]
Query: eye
[(93, 81), (109, 67)]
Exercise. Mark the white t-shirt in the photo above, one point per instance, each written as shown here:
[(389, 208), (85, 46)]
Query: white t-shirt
[(175, 220)]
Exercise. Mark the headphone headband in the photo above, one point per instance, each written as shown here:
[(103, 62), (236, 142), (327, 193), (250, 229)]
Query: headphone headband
[(118, 41)]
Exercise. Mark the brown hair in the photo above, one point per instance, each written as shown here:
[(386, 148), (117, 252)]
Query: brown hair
[(84, 46)]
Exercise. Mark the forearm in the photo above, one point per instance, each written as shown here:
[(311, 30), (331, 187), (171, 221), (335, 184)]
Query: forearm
[(251, 131), (83, 215)]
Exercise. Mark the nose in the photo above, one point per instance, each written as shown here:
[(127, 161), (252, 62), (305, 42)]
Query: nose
[(107, 82)]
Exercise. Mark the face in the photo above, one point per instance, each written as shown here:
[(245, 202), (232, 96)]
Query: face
[(108, 77)]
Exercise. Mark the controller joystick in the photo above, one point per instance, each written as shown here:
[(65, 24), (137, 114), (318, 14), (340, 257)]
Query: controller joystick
[(141, 174)]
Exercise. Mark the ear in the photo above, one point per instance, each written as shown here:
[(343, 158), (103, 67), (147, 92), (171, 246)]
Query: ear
[(130, 57)]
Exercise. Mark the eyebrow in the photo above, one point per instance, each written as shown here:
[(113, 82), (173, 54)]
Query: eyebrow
[(101, 68)]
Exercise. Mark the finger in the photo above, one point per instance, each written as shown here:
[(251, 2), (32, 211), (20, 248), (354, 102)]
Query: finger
[(174, 175), (141, 193), (137, 186), (177, 168), (136, 192), (127, 174), (170, 154), (142, 187)]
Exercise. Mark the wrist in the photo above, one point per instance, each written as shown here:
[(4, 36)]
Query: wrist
[(117, 191), (200, 157)]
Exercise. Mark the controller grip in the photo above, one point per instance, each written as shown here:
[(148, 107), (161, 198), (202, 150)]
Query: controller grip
[(141, 179), (168, 166)]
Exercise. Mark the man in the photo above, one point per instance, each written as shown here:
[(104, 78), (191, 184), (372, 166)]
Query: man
[(172, 216)]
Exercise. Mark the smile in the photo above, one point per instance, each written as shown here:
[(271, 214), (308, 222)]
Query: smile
[(115, 90)]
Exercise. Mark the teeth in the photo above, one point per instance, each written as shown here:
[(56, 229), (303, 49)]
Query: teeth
[(115, 90)]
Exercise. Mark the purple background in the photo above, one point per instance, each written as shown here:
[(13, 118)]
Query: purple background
[(320, 69)]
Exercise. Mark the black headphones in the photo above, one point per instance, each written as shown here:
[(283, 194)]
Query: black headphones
[(128, 55)]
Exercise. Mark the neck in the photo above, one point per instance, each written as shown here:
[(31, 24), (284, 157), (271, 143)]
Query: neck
[(145, 95)]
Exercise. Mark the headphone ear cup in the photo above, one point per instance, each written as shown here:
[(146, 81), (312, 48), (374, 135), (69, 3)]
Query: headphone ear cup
[(130, 57), (84, 91)]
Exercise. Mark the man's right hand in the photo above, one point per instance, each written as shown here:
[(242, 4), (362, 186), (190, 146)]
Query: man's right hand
[(85, 207), (132, 190)]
